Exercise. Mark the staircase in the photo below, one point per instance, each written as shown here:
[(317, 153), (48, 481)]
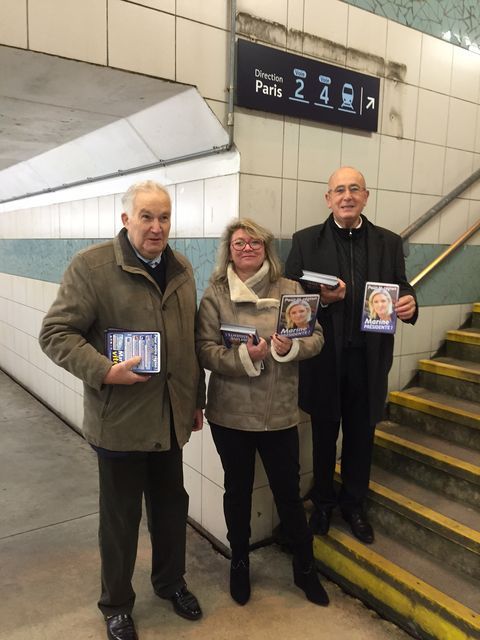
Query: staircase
[(423, 571)]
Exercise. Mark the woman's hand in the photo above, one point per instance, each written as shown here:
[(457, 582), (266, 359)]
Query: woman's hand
[(281, 344), (257, 351)]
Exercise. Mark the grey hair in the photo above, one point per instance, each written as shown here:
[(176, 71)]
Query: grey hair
[(130, 194), (254, 230)]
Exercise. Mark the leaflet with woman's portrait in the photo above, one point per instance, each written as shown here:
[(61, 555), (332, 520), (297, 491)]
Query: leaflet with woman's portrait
[(379, 307), (297, 314)]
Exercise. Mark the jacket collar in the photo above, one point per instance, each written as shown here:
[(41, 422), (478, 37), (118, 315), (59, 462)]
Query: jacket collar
[(243, 291)]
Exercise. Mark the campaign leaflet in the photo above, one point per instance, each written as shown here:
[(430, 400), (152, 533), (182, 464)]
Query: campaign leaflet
[(237, 333), (121, 345), (378, 313), (297, 314)]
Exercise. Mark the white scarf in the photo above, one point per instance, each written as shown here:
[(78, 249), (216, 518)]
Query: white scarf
[(242, 292)]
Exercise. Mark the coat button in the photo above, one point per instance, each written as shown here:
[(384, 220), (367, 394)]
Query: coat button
[(158, 445)]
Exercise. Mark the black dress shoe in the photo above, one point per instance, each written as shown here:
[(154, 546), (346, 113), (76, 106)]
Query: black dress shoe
[(240, 581), (320, 521), (360, 526), (121, 627), (308, 581), (185, 604)]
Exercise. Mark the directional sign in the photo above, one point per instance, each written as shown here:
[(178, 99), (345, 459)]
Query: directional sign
[(279, 82)]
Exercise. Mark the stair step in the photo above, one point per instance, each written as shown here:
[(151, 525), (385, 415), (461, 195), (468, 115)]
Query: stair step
[(423, 518), (444, 406), (442, 472), (404, 585), (452, 368), (467, 336), (464, 343), (451, 376), (450, 451)]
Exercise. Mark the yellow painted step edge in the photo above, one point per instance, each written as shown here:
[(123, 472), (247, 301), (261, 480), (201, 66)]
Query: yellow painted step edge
[(465, 336), (398, 589), (430, 406), (425, 512), (419, 509), (449, 370), (425, 451)]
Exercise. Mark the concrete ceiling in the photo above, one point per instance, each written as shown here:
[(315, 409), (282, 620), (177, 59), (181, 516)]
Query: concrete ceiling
[(63, 120)]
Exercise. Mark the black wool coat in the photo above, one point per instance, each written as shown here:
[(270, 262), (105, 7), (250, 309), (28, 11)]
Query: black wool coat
[(314, 249)]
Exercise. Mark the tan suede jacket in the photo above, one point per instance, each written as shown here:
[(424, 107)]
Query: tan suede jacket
[(240, 394), (104, 287)]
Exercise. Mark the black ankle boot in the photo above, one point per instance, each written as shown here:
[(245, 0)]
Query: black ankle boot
[(240, 580), (308, 581)]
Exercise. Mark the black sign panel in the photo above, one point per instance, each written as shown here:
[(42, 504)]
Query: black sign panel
[(291, 85)]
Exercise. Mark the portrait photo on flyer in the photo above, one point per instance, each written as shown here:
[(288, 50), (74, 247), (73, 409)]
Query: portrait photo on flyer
[(297, 315), (379, 307)]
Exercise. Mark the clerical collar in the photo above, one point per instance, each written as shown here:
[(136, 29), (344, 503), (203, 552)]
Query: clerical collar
[(154, 262), (360, 222)]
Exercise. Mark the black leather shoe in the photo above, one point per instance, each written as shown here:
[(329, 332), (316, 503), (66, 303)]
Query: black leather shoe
[(240, 581), (310, 584), (185, 604), (121, 627), (320, 521), (360, 526)]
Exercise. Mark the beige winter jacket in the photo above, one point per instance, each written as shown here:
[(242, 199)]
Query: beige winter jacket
[(104, 287), (241, 395)]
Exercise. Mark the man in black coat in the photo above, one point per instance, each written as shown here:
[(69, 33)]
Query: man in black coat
[(347, 382)]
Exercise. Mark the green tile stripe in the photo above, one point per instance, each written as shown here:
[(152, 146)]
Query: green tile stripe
[(455, 281)]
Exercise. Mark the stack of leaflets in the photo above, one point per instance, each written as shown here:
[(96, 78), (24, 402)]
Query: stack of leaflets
[(378, 314), (312, 277), (121, 345), (297, 315), (237, 333)]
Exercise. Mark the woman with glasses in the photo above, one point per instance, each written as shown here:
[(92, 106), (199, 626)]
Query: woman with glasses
[(252, 397)]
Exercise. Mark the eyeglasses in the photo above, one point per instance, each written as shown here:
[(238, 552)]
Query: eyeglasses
[(239, 245), (353, 189)]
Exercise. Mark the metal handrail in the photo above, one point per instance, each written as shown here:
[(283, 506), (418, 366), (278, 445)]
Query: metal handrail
[(451, 249), (441, 204)]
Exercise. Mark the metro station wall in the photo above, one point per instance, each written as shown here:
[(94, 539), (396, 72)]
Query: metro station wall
[(427, 142)]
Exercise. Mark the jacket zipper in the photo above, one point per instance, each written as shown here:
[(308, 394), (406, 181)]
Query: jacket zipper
[(352, 277)]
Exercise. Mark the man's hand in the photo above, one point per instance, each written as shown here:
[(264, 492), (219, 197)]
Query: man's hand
[(122, 373), (405, 307), (329, 295), (197, 420), (257, 351)]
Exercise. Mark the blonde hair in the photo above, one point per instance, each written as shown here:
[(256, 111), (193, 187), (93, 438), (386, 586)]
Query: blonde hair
[(130, 194), (290, 324), (254, 230), (374, 293)]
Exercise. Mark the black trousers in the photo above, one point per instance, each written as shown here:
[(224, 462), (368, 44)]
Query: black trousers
[(357, 443), (279, 452), (123, 483)]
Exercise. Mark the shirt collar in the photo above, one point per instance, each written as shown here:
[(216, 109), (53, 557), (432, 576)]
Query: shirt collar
[(153, 262), (360, 222)]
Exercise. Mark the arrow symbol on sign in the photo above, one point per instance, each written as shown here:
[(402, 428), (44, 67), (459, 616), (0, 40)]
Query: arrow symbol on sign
[(370, 103)]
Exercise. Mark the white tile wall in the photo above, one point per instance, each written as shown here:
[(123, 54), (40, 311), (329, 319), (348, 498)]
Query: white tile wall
[(202, 53), (13, 23), (69, 28), (141, 39)]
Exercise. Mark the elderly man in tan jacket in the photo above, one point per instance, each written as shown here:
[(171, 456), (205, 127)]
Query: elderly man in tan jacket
[(136, 423)]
